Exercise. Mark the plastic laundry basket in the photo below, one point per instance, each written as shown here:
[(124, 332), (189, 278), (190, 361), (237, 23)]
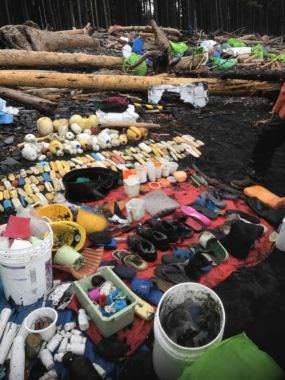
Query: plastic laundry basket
[(107, 325), (26, 274), (169, 358)]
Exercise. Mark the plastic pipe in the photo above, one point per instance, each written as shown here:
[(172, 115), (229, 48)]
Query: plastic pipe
[(7, 341), (17, 362)]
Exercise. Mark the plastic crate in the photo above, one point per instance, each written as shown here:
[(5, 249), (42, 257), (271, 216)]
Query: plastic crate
[(107, 325)]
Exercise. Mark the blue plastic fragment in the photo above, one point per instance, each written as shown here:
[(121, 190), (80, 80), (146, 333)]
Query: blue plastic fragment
[(7, 204), (6, 118)]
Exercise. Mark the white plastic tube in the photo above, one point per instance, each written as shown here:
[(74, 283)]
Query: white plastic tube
[(7, 341), (63, 346), (76, 348), (17, 362), (4, 318), (54, 342), (47, 359), (78, 339)]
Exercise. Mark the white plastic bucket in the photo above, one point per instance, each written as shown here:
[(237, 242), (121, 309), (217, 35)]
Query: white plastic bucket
[(26, 274), (169, 358), (43, 312)]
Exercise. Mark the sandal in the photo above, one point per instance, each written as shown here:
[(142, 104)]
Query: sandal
[(217, 252), (130, 260), (190, 211), (174, 273)]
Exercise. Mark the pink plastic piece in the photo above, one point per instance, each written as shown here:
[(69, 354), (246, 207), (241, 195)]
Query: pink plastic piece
[(94, 294)]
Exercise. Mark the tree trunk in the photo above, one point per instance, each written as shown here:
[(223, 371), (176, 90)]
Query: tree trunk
[(38, 78), (26, 38), (147, 29), (36, 102), (23, 58)]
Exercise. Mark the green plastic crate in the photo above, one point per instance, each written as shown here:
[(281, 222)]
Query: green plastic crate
[(107, 325)]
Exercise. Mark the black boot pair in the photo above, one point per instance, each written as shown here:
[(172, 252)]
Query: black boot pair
[(157, 235)]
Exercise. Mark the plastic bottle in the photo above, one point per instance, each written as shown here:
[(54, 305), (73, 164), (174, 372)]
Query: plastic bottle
[(83, 320), (280, 242)]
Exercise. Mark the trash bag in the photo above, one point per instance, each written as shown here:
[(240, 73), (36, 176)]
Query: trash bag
[(259, 51), (140, 70), (236, 358), (138, 46), (223, 64), (233, 42), (178, 49)]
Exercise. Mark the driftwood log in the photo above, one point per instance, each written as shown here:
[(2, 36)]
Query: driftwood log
[(25, 37), (36, 102), (145, 29), (40, 78), (24, 58)]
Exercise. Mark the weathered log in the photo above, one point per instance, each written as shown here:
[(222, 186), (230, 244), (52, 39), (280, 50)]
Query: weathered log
[(24, 58), (28, 38), (129, 124), (40, 78), (146, 29), (36, 102)]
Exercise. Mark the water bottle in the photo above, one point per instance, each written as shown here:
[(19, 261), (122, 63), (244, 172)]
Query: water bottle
[(280, 242)]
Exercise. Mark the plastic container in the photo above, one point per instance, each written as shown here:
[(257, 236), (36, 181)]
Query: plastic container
[(44, 312), (158, 169), (169, 358), (141, 172), (26, 274), (132, 186), (135, 209), (107, 325), (151, 172), (280, 241)]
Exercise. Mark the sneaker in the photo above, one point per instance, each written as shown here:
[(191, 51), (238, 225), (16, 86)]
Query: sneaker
[(241, 184)]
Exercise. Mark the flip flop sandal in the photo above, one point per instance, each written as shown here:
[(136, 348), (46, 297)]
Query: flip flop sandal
[(205, 211), (205, 203), (243, 215), (162, 285), (196, 225), (143, 247), (173, 272), (211, 197), (190, 211), (185, 231), (217, 252), (223, 194), (172, 259)]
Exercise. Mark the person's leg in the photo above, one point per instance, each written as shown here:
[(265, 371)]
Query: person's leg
[(271, 137)]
